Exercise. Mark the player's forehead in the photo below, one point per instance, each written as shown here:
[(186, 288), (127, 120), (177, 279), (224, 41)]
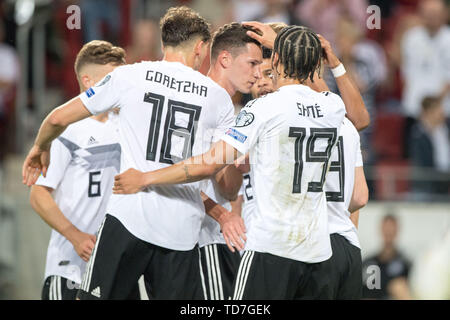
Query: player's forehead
[(249, 51)]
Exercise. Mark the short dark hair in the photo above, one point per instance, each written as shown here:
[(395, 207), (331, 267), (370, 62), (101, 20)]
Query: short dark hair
[(299, 51), (181, 24), (266, 53), (430, 102), (231, 36), (99, 52)]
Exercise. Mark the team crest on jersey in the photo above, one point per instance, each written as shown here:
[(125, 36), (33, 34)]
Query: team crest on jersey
[(244, 118), (236, 135), (104, 80)]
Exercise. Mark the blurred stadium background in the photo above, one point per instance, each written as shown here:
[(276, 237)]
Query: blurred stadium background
[(395, 66)]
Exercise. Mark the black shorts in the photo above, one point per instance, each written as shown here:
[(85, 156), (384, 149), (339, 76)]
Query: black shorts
[(218, 267), (59, 288), (119, 259), (264, 276), (345, 269)]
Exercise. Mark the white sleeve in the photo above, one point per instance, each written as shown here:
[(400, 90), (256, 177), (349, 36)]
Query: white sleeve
[(60, 157), (248, 127), (105, 95), (226, 117), (359, 160), (241, 190)]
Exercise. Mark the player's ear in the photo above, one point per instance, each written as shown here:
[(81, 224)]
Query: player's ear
[(225, 59), (86, 81)]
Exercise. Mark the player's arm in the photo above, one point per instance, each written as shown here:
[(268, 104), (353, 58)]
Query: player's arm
[(191, 170), (43, 203), (354, 217), (54, 124), (360, 195), (231, 223), (354, 104), (229, 181)]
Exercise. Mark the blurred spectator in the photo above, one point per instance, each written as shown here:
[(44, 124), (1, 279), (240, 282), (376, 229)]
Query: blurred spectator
[(9, 76), (365, 62), (430, 276), (98, 14), (246, 10), (426, 58), (430, 149), (145, 45), (394, 267), (323, 15), (275, 10)]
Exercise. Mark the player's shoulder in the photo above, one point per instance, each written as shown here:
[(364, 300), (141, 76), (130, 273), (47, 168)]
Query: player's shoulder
[(349, 131), (76, 129)]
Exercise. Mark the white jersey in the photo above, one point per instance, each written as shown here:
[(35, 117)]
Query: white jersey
[(289, 134), (249, 204), (168, 112), (84, 160), (210, 232), (340, 181)]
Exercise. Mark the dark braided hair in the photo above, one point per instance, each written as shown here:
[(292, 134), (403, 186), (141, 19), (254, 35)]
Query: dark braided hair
[(299, 51)]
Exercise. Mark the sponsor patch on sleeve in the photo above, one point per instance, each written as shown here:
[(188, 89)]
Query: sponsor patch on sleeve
[(236, 135), (90, 92)]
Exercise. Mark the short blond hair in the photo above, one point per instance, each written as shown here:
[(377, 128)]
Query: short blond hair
[(99, 52)]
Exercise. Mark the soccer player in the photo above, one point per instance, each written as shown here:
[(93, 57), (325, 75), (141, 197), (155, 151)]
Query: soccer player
[(168, 112), (235, 62), (345, 186), (289, 134), (347, 192), (72, 197)]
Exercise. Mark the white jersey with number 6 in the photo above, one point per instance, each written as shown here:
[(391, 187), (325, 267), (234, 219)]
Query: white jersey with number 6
[(289, 134), (84, 160), (340, 181), (168, 112)]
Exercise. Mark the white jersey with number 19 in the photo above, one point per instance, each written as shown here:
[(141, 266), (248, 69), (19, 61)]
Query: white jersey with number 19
[(290, 134), (168, 112), (340, 181)]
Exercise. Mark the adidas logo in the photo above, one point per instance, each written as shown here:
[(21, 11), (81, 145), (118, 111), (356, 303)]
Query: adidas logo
[(92, 140), (96, 292)]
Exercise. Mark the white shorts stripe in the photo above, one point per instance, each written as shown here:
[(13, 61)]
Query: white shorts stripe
[(219, 275), (246, 275), (202, 276), (208, 267), (214, 274), (239, 274), (50, 289), (240, 284), (59, 288), (88, 273)]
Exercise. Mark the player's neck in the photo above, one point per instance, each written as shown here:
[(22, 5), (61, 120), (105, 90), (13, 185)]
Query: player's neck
[(219, 77), (282, 81), (174, 55)]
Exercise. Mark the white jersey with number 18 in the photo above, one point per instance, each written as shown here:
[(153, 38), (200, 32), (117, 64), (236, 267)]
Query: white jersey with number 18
[(168, 112), (290, 134)]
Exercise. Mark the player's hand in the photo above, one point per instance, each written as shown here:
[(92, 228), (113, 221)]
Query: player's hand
[(233, 230), (329, 57), (84, 244), (37, 161), (267, 37), (130, 181)]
